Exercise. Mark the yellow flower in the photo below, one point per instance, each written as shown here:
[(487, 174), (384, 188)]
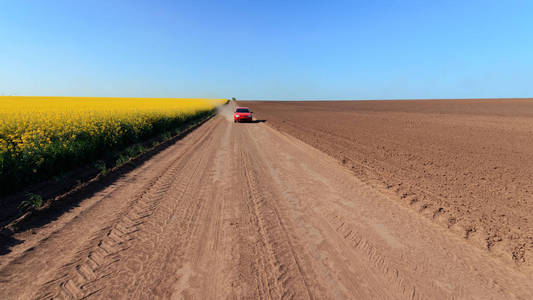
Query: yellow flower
[(33, 125)]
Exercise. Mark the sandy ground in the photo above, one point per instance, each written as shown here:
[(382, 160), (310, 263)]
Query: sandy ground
[(243, 211), (466, 164)]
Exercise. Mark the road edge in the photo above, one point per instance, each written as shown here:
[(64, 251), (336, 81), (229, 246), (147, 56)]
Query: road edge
[(12, 226)]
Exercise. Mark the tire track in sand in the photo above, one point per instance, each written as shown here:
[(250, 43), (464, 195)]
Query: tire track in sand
[(279, 272), (79, 278)]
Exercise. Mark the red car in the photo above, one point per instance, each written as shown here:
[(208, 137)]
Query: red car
[(242, 114)]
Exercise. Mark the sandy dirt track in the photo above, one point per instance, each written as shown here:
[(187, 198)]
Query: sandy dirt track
[(243, 211), (466, 164)]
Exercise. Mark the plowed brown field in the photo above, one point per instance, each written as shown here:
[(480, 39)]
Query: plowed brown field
[(467, 164), (244, 211)]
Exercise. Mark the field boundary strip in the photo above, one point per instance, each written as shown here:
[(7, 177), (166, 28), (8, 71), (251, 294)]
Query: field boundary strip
[(25, 219)]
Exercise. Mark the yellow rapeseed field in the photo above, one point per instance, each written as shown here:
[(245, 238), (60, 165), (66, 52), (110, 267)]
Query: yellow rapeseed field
[(41, 135)]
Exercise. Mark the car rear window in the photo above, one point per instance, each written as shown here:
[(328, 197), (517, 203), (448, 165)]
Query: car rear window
[(242, 110)]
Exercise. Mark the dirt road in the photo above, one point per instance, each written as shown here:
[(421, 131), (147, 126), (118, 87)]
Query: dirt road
[(243, 211)]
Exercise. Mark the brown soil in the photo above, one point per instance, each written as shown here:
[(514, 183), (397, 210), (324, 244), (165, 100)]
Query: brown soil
[(468, 164), (244, 211)]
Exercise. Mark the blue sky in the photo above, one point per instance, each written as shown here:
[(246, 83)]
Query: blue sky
[(267, 49)]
